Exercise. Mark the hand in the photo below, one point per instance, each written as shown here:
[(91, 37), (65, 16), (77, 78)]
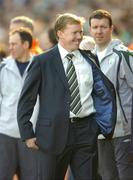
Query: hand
[(31, 143)]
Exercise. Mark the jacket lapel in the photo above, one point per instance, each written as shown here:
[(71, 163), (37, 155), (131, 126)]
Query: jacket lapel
[(59, 66)]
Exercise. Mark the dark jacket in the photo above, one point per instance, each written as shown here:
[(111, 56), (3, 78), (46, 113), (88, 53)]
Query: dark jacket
[(47, 78)]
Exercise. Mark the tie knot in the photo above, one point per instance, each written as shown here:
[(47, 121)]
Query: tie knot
[(69, 56)]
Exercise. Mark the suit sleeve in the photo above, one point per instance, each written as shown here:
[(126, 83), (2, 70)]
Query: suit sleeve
[(28, 99)]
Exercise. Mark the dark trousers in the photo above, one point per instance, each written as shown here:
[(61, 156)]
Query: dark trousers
[(80, 153), (115, 162), (70, 176), (15, 157)]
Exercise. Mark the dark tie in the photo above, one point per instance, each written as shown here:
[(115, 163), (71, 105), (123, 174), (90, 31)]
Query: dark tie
[(75, 103)]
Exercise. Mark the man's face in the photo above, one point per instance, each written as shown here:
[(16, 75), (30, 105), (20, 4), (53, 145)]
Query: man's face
[(16, 46), (71, 36), (101, 31)]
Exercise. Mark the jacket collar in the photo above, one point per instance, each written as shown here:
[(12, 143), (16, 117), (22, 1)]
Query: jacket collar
[(112, 44), (11, 65)]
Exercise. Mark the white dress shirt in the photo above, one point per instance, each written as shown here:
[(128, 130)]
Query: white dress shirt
[(85, 80)]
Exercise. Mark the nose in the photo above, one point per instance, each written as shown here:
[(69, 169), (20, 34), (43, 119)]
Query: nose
[(99, 30)]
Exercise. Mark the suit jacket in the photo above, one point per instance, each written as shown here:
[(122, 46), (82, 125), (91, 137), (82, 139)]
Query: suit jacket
[(47, 78)]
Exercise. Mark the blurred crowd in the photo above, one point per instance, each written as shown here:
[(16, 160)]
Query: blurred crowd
[(44, 12)]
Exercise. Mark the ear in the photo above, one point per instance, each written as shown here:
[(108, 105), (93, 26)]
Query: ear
[(26, 45), (60, 34), (112, 28)]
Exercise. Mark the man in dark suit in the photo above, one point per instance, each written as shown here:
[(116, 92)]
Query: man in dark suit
[(77, 102)]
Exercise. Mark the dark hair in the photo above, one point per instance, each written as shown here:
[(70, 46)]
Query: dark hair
[(100, 14), (25, 35)]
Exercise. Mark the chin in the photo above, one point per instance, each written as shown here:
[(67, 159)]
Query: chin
[(75, 49), (77, 46)]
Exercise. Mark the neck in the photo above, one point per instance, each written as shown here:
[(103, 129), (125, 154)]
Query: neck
[(25, 58), (102, 47)]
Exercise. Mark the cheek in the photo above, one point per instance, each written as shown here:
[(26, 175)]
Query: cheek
[(68, 39), (106, 35), (91, 32), (17, 48), (19, 51)]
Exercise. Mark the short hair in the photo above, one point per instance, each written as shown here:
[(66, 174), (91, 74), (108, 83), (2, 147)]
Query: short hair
[(67, 18), (24, 33), (100, 14), (24, 20)]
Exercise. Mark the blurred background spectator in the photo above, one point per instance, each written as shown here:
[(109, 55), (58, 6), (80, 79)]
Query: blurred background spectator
[(44, 12), (3, 51), (47, 39)]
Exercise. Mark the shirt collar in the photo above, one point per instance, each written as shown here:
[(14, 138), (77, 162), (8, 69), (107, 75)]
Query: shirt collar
[(64, 52)]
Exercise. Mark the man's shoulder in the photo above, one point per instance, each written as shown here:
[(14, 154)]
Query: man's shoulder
[(121, 47), (91, 55), (88, 53), (43, 58), (47, 54), (122, 50), (125, 55), (2, 65), (8, 60)]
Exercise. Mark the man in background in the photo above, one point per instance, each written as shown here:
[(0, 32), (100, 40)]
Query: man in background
[(15, 156), (27, 22), (115, 61), (24, 21)]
